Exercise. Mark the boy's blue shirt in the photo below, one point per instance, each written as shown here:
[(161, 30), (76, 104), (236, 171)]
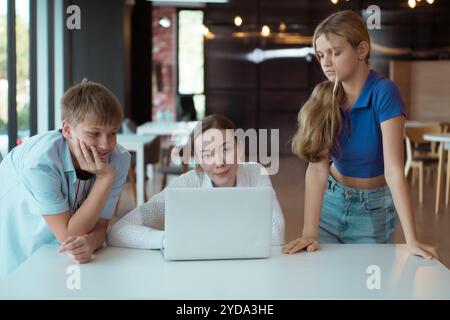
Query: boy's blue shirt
[(38, 178)]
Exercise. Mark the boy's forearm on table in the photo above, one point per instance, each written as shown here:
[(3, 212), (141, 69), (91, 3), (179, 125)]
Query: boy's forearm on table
[(86, 217), (97, 237)]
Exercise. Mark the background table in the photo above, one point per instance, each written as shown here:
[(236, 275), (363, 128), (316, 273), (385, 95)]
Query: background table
[(172, 134), (334, 272), (444, 139), (166, 128), (137, 144), (420, 124)]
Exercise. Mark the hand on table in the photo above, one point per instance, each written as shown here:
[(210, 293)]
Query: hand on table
[(78, 248), (309, 243), (422, 250)]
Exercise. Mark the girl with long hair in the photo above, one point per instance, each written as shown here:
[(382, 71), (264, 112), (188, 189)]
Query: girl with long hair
[(351, 132)]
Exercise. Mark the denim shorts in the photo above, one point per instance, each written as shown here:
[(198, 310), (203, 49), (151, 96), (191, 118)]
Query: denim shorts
[(351, 215)]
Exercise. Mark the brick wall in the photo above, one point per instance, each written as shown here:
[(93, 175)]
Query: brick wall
[(164, 62)]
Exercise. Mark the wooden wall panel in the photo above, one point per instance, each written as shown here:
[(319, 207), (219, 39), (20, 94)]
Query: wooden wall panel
[(425, 86), (400, 73)]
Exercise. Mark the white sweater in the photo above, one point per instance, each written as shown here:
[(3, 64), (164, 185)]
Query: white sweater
[(142, 227)]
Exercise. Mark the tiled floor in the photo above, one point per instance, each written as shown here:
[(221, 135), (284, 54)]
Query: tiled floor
[(289, 186)]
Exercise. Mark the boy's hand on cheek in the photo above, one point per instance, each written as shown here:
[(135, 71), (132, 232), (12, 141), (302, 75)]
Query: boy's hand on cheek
[(78, 248), (90, 161)]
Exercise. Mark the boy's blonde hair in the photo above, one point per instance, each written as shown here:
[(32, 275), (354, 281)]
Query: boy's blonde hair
[(90, 101)]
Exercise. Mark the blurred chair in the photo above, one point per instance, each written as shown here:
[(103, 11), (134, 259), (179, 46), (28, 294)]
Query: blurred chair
[(445, 127), (1, 157), (128, 126), (168, 167), (186, 108), (420, 154), (151, 156)]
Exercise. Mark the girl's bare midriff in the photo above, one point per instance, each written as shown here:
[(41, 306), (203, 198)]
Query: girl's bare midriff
[(358, 183)]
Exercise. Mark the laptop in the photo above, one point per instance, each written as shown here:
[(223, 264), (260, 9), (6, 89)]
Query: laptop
[(217, 223)]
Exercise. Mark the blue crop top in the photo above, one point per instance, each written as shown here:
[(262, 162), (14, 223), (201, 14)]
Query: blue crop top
[(360, 152)]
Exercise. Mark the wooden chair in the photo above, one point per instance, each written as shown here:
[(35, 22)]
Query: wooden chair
[(445, 127), (443, 166), (419, 158), (169, 168)]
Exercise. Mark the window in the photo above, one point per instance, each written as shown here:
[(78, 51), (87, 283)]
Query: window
[(14, 114), (191, 58), (3, 78), (23, 69)]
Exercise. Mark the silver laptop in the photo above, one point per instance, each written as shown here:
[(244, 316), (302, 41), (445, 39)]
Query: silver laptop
[(218, 223)]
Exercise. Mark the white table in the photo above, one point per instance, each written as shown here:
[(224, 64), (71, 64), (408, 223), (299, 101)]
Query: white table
[(334, 272), (136, 143), (439, 137), (166, 128), (444, 138), (421, 124)]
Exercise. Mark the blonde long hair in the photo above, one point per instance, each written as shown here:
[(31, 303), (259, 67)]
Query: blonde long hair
[(318, 122), (320, 119)]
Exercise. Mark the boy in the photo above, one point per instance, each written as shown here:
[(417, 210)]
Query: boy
[(64, 184)]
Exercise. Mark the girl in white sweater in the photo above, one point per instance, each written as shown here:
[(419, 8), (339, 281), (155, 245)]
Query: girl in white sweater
[(217, 152)]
